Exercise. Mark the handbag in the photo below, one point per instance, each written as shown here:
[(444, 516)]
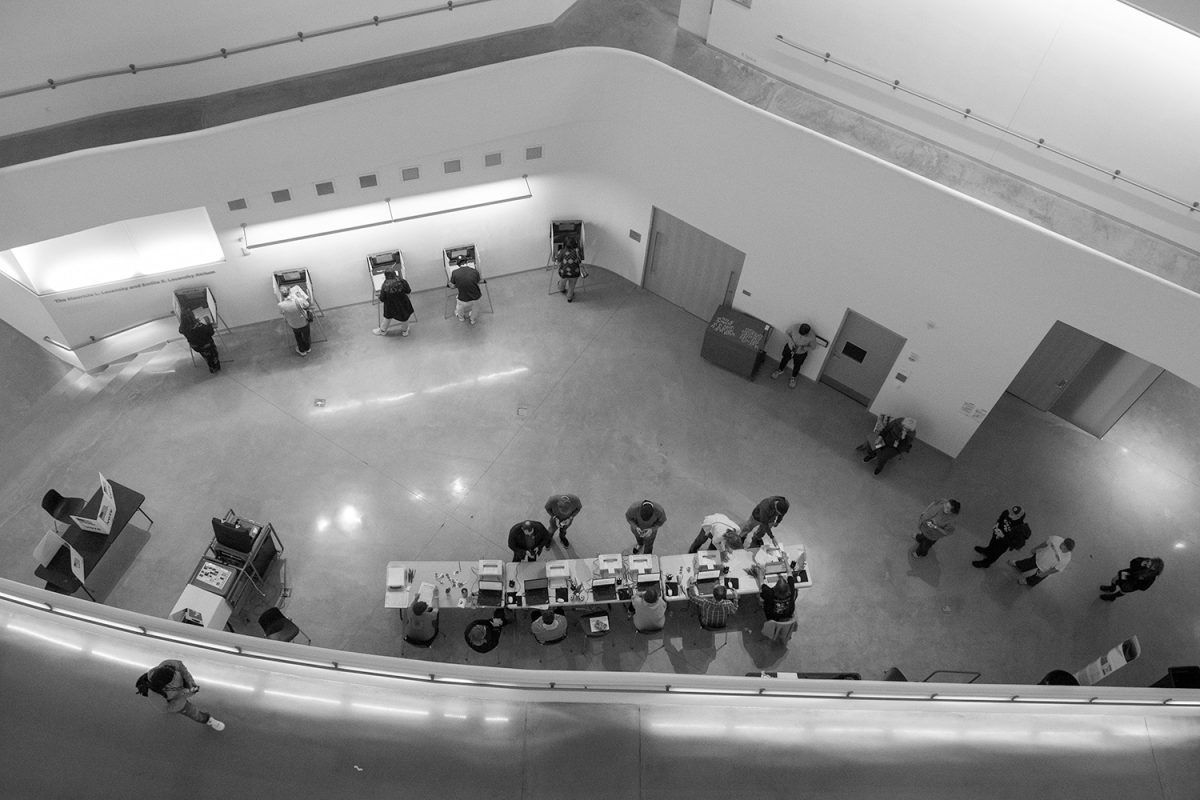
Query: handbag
[(308, 314)]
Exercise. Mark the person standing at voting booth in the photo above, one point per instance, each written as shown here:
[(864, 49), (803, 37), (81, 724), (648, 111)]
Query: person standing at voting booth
[(295, 310), (466, 279), (171, 681), (569, 261), (393, 294), (199, 337)]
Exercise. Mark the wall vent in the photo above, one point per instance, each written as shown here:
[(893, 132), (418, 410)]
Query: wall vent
[(281, 195), (324, 188), (367, 181), (452, 166), (410, 173), (532, 153), (491, 160), (237, 205)]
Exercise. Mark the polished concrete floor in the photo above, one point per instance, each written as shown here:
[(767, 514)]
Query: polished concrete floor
[(431, 446)]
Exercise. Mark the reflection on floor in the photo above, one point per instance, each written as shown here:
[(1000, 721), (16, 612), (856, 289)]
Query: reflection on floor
[(431, 446)]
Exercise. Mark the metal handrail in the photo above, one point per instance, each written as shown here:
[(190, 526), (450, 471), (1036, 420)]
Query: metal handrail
[(225, 52), (94, 339), (178, 633), (1039, 143)]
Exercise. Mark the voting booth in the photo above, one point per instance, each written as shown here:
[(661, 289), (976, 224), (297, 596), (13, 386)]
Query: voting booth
[(379, 266), (283, 281), (566, 233), (463, 255)]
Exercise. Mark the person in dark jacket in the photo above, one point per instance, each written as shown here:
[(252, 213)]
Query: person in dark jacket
[(766, 515), (396, 305), (172, 681), (1137, 578), (1010, 533), (199, 337), (896, 437), (528, 539), (778, 601)]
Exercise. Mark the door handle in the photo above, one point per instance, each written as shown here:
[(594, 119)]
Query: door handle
[(653, 252)]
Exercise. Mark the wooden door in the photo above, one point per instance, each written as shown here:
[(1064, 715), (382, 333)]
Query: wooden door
[(687, 267)]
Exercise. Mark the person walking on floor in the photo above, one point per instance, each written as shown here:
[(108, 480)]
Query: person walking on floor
[(199, 337), (1137, 578), (800, 342), (1010, 533), (936, 522), (172, 681), (294, 308), (1047, 558), (396, 305)]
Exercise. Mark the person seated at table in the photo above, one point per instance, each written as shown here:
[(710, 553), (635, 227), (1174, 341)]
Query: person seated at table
[(421, 626), (483, 635), (718, 532), (713, 611), (649, 610), (763, 519), (549, 626), (778, 599), (528, 539)]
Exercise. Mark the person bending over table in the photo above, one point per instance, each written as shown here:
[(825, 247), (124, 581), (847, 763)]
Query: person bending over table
[(719, 532), (645, 518), (562, 509), (527, 540), (548, 626), (763, 519), (421, 627), (713, 611)]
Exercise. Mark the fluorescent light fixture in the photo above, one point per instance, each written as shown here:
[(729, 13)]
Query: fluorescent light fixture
[(121, 250), (119, 659), (309, 698), (324, 223), (391, 709), (44, 637)]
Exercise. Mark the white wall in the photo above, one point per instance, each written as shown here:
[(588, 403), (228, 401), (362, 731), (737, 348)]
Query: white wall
[(1095, 78), (106, 36), (823, 227)]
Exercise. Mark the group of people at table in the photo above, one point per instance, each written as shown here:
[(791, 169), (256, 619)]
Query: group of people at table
[(647, 607)]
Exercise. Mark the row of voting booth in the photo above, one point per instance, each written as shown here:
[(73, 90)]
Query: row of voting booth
[(200, 301)]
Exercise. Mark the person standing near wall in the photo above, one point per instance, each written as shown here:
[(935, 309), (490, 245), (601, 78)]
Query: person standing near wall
[(172, 681), (466, 279), (396, 305), (294, 308), (800, 342), (936, 522)]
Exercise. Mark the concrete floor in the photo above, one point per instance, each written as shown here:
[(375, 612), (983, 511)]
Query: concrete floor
[(431, 446)]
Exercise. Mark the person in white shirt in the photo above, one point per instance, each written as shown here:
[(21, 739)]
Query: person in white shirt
[(649, 610), (800, 342), (1047, 558)]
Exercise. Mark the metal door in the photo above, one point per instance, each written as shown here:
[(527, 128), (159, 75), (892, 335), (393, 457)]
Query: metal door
[(861, 357), (689, 268)]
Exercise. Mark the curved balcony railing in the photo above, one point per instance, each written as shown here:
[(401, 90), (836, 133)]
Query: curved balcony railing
[(966, 113), (424, 672), (226, 52)]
